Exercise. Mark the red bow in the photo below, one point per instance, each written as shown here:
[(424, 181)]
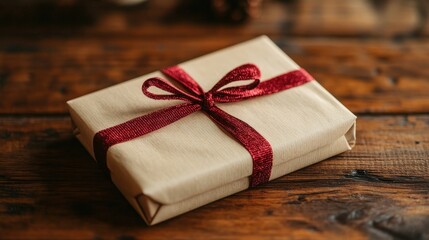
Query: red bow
[(196, 99)]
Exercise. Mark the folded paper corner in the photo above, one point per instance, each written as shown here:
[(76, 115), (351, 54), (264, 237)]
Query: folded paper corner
[(351, 135), (147, 207)]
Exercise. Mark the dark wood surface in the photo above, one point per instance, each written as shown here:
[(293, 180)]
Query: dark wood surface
[(372, 55)]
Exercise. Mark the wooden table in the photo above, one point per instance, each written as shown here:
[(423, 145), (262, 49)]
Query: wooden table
[(372, 55)]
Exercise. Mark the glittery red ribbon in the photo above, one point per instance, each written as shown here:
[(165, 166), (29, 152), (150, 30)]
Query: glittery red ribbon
[(196, 99)]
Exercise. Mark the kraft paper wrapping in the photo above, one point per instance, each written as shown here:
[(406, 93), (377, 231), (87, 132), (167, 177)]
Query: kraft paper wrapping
[(193, 162)]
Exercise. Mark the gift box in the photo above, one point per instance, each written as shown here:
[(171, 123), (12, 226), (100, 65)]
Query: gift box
[(178, 139)]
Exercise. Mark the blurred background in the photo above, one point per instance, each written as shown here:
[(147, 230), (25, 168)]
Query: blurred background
[(293, 17)]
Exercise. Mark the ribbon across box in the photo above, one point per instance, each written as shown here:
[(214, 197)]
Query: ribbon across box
[(177, 139)]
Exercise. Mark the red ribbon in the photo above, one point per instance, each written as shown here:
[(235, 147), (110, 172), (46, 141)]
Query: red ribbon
[(196, 99)]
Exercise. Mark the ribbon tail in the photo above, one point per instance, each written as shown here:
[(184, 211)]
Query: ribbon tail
[(137, 127), (258, 147), (283, 82), (276, 84)]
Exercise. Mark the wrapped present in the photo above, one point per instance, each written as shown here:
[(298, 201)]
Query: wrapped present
[(177, 139)]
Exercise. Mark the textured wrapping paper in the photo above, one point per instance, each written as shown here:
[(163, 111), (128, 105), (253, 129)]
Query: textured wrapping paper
[(193, 162)]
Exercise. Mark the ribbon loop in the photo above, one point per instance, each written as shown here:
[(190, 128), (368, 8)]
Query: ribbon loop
[(208, 101), (241, 73), (237, 93), (183, 78), (176, 93)]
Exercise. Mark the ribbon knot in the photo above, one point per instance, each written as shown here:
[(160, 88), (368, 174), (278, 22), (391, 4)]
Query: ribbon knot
[(196, 99), (208, 101)]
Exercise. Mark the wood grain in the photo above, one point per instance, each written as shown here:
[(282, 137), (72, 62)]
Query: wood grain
[(373, 55), (368, 77), (380, 189)]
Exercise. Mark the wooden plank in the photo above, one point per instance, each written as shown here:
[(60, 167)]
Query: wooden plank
[(369, 76), (52, 51), (373, 76), (51, 189)]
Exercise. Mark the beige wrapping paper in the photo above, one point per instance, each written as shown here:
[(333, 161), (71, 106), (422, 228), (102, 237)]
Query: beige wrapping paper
[(193, 162)]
